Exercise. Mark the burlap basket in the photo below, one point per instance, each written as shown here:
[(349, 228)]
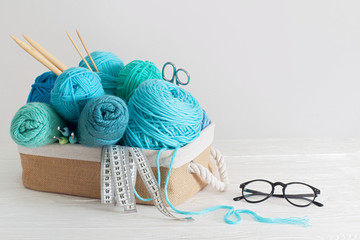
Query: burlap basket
[(75, 169)]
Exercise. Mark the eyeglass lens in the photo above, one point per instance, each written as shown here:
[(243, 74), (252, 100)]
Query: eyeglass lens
[(257, 191), (299, 194)]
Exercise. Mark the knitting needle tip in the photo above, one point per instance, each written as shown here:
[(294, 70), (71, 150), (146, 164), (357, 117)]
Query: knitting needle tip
[(57, 138)]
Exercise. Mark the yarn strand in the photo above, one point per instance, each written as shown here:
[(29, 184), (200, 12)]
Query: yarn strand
[(231, 210)]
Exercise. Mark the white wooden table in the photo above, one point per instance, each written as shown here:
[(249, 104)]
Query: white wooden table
[(330, 165)]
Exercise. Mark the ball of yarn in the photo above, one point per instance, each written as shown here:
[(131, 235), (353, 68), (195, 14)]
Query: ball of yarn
[(72, 90), (109, 66), (103, 121), (109, 83), (133, 74), (35, 124), (106, 62), (40, 90), (205, 121), (162, 115)]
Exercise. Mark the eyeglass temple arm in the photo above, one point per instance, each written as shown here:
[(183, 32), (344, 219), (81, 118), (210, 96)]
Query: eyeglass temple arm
[(302, 196), (238, 198)]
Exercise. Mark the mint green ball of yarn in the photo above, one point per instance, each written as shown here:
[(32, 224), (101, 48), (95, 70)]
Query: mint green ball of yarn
[(35, 125), (133, 74), (72, 90)]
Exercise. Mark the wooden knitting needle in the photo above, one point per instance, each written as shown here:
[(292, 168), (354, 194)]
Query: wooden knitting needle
[(78, 51), (46, 54), (82, 42), (37, 55)]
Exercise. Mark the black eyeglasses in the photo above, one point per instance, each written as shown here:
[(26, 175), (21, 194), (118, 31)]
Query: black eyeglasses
[(297, 193)]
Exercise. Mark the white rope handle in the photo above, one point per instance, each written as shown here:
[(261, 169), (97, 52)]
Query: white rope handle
[(207, 176)]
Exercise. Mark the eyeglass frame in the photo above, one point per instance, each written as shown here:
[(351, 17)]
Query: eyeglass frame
[(271, 194)]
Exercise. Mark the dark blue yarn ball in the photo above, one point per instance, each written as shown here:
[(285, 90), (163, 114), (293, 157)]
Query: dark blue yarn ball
[(206, 121), (40, 90)]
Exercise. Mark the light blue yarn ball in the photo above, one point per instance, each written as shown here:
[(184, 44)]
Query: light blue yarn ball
[(103, 121), (35, 125), (106, 62), (109, 66), (162, 115), (205, 121), (40, 90), (73, 89)]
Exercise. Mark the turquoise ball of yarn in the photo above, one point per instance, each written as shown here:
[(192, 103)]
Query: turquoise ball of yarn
[(35, 125), (106, 62), (109, 66), (133, 74), (162, 115), (72, 90), (103, 121), (40, 90)]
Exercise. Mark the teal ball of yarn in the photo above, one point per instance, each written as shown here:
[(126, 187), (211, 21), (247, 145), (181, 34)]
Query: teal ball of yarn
[(35, 125), (103, 121), (109, 66), (162, 115), (72, 90), (40, 90), (133, 74)]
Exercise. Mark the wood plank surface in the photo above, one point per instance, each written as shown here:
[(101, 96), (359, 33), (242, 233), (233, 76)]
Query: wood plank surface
[(333, 166)]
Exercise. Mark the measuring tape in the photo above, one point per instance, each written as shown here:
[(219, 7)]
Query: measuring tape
[(118, 177), (117, 180)]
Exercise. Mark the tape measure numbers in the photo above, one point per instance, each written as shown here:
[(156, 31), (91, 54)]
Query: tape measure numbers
[(118, 178)]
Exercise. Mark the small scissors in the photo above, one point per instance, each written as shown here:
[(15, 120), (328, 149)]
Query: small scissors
[(175, 75)]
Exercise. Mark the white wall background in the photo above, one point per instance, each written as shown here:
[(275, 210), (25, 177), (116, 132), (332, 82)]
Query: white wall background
[(259, 68)]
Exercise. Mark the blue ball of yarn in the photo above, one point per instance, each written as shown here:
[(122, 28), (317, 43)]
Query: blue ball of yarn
[(35, 125), (162, 115), (205, 121), (133, 74), (72, 90), (109, 66), (103, 121), (40, 90)]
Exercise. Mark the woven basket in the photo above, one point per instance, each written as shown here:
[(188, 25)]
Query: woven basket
[(75, 169)]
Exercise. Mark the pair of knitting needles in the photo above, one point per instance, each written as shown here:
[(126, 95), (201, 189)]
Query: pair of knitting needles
[(49, 60), (77, 49)]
